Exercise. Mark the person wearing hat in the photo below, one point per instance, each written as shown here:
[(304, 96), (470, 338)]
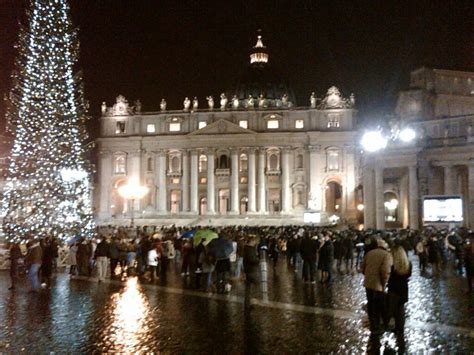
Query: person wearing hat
[(376, 267)]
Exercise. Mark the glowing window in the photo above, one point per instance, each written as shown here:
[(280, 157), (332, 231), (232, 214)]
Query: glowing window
[(203, 180), (202, 163), (202, 124), (299, 124), (243, 180), (120, 128), (334, 121), (150, 128), (333, 160), (244, 124), (175, 180), (273, 124), (175, 126), (120, 164)]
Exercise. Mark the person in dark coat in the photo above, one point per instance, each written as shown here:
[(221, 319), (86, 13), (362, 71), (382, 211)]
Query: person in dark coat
[(308, 251), (274, 251), (15, 256), (326, 259), (398, 286), (348, 252), (114, 254), (84, 253), (469, 261), (251, 269), (338, 252), (47, 262)]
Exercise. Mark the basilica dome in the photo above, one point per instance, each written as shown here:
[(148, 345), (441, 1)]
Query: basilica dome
[(261, 79)]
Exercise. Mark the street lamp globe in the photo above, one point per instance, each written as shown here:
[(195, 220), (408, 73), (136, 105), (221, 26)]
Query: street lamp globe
[(373, 141), (407, 134), (132, 191)]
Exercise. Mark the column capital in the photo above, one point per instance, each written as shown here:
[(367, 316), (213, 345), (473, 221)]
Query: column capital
[(286, 149), (234, 150), (105, 152), (261, 150), (251, 150), (210, 151)]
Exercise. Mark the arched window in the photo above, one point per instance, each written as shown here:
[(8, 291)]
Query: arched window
[(273, 162), (299, 161), (202, 163), (120, 164), (175, 164), (223, 162), (243, 162), (332, 159)]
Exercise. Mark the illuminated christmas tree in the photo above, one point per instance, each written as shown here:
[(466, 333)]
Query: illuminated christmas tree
[(47, 191)]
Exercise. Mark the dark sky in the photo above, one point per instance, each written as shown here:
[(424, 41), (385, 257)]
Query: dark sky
[(150, 49)]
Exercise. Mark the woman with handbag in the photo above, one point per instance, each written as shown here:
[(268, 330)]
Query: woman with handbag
[(398, 287)]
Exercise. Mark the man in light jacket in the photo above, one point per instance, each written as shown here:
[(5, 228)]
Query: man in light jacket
[(376, 268)]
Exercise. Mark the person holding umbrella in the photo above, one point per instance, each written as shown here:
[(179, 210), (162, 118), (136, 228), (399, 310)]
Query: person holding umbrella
[(221, 248)]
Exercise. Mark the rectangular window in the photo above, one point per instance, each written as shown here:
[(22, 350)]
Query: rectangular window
[(175, 180), (150, 128), (273, 124), (202, 124), (243, 180), (175, 127), (333, 160), (244, 124), (299, 124), (120, 128), (203, 180), (334, 121)]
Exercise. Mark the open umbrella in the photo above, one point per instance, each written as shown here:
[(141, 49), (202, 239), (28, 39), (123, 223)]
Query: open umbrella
[(221, 248), (188, 234), (205, 234)]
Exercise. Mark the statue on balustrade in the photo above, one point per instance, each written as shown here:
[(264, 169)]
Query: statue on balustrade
[(104, 108), (223, 102), (186, 104), (312, 100), (210, 102), (284, 100), (250, 103), (163, 105), (235, 102), (261, 101), (195, 103)]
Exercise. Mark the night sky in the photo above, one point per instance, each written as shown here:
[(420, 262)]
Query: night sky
[(149, 49)]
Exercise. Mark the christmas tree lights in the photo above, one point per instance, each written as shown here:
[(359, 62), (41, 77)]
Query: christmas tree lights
[(47, 191)]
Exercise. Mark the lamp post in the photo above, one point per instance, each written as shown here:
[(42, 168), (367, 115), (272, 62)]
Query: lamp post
[(132, 191)]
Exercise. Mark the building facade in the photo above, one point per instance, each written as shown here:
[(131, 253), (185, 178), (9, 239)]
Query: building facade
[(254, 157), (439, 105)]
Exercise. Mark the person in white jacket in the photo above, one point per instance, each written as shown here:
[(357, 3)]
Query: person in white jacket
[(152, 262)]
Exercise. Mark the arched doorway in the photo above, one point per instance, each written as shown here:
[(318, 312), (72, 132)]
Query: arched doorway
[(333, 197), (119, 204), (244, 201), (175, 200), (203, 206), (390, 206)]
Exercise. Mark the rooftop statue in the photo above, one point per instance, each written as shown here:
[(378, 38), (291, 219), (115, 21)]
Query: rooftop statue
[(278, 103), (352, 99), (195, 103), (138, 106), (103, 108), (312, 100), (186, 104), (284, 100), (223, 102), (250, 102), (261, 101), (210, 102), (235, 102), (163, 105)]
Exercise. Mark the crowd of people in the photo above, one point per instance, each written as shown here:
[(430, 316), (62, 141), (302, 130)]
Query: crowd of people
[(319, 253)]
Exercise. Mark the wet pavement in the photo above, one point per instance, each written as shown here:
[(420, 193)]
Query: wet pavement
[(169, 316)]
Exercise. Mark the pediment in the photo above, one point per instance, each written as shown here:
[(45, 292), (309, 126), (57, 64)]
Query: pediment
[(222, 127)]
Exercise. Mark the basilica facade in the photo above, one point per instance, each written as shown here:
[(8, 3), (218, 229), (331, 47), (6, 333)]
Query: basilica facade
[(251, 157)]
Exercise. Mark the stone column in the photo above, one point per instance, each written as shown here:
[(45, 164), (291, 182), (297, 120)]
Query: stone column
[(379, 199), (285, 181), (211, 186), (470, 182), (162, 197), (449, 179), (369, 198), (185, 181), (349, 185), (136, 171), (105, 180), (234, 182), (315, 192), (194, 195), (251, 181), (262, 199), (413, 197)]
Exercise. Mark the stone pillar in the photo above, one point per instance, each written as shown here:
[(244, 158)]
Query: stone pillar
[(315, 191), (413, 197), (162, 197), (349, 185), (185, 181), (194, 195), (211, 186), (251, 181), (285, 181), (234, 182), (136, 171), (379, 199), (470, 182), (105, 180), (262, 198), (449, 179), (369, 198)]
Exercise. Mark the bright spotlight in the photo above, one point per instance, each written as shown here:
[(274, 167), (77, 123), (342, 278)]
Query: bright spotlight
[(373, 141), (407, 135)]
